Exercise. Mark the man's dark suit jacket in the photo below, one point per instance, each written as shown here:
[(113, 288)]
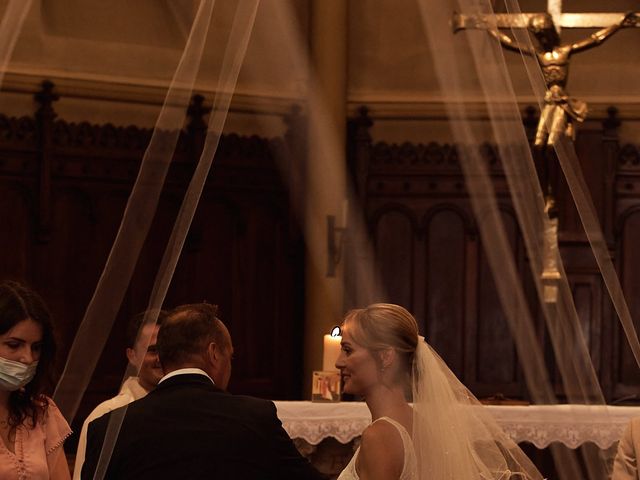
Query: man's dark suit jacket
[(187, 428)]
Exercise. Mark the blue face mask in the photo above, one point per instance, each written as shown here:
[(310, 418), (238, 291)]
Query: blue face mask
[(15, 375)]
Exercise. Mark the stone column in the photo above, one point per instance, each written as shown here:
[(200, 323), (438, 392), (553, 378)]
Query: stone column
[(326, 173)]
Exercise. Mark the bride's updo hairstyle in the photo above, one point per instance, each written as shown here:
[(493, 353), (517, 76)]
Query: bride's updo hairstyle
[(383, 325)]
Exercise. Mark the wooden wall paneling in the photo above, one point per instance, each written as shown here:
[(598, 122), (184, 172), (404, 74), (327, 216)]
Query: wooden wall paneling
[(598, 169), (610, 153), (85, 217), (626, 371), (472, 271), (595, 170), (586, 290), (607, 359), (17, 225), (537, 315), (269, 334), (44, 117), (251, 326), (419, 279), (288, 309), (422, 176), (205, 269), (257, 324), (587, 294), (268, 254), (445, 287), (242, 251), (496, 357), (395, 230), (69, 274), (151, 255), (109, 207)]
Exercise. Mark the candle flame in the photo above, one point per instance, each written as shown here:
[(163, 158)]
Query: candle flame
[(335, 331)]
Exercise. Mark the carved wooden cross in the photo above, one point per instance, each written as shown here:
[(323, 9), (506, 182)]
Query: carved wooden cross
[(521, 20)]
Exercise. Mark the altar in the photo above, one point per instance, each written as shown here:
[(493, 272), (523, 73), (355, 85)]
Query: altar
[(328, 433)]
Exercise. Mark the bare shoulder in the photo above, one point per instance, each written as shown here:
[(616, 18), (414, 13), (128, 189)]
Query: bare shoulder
[(381, 452), (634, 427)]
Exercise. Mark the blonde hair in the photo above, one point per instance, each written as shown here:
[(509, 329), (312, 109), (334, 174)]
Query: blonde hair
[(384, 325)]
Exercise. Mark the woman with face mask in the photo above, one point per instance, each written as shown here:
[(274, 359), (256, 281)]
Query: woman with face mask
[(32, 428)]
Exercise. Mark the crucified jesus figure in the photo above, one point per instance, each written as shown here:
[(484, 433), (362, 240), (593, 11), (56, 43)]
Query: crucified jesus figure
[(560, 111)]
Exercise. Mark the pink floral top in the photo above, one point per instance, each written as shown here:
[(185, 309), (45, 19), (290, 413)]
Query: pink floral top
[(35, 449)]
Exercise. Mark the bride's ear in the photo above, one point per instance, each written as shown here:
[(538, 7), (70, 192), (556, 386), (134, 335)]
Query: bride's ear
[(387, 358)]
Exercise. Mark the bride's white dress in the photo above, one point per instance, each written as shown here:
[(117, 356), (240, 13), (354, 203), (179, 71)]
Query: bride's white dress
[(409, 470)]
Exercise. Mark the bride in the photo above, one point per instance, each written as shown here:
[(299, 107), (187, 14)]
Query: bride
[(445, 435)]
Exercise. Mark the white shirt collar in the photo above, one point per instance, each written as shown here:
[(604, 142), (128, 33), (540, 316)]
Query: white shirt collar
[(186, 371), (132, 387)]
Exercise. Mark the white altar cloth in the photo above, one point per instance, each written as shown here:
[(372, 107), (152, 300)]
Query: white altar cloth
[(541, 425)]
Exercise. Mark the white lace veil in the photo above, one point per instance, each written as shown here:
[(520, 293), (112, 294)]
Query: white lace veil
[(454, 435)]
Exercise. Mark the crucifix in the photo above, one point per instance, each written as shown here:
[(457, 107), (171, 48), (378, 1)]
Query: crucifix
[(560, 112)]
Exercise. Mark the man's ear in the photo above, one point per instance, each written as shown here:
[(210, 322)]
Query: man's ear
[(131, 356), (212, 353)]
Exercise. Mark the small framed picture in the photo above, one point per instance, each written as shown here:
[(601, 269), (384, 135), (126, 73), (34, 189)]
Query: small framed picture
[(326, 387)]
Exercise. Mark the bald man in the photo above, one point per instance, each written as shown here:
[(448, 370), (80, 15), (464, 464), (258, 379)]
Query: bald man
[(190, 426)]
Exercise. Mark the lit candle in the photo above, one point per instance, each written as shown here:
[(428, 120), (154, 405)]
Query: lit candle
[(331, 350)]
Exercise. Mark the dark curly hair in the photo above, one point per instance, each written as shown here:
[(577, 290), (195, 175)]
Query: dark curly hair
[(18, 303)]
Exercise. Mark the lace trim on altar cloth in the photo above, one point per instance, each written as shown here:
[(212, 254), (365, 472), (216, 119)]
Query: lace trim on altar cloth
[(604, 436), (540, 425), (572, 425), (313, 422)]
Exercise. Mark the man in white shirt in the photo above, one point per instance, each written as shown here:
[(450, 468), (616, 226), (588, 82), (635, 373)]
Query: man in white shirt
[(143, 356)]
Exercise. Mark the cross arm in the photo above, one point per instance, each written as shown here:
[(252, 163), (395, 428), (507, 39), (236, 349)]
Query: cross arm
[(462, 21)]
